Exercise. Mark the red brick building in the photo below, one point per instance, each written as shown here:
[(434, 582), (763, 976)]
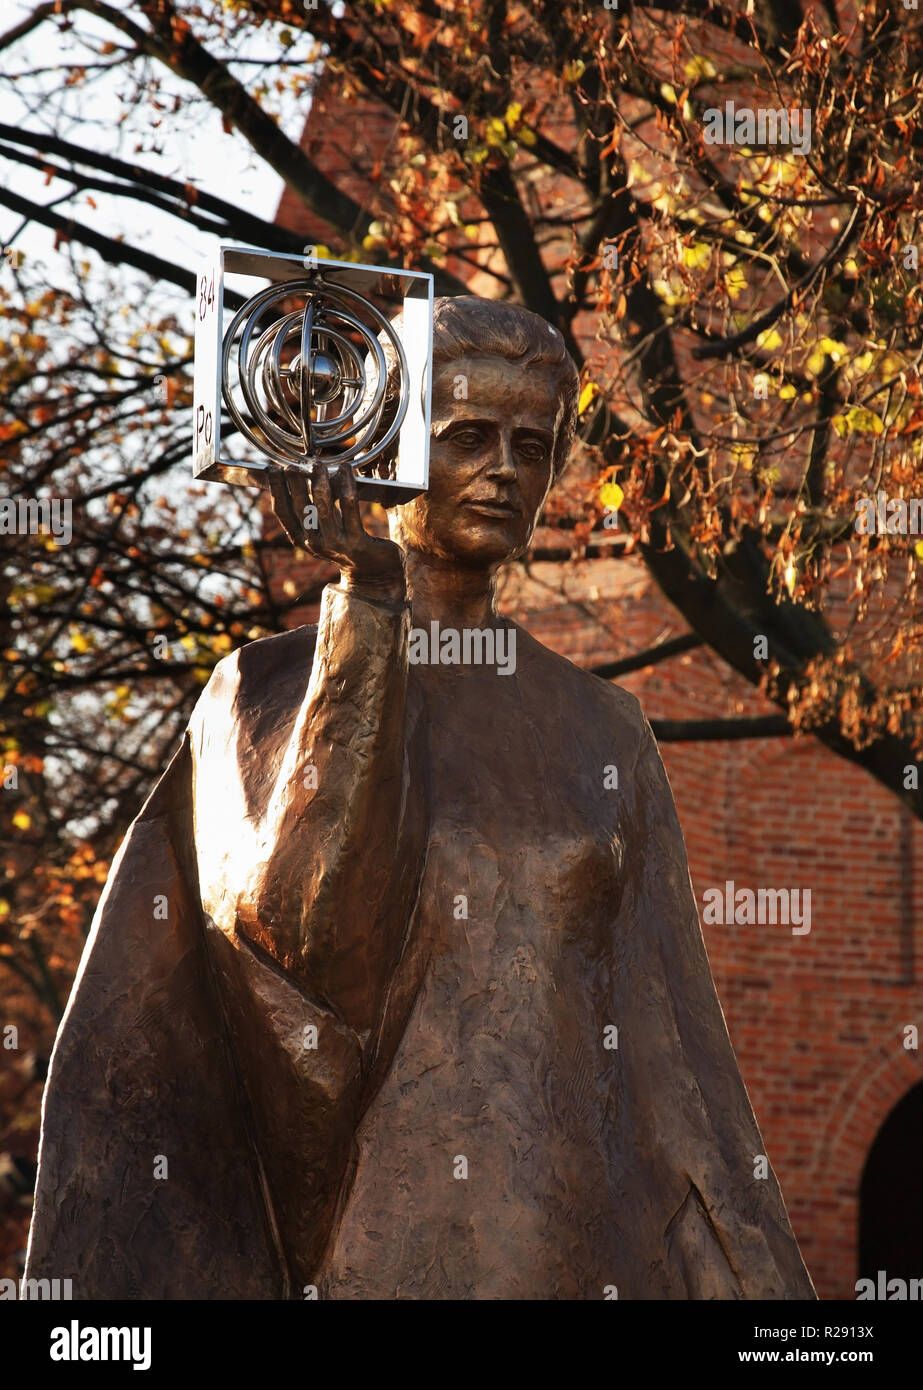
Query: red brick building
[(822, 1022)]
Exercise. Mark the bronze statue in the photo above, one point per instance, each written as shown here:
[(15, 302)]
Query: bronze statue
[(425, 1011)]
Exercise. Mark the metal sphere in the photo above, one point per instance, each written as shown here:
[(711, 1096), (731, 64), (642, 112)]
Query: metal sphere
[(310, 385), (325, 377)]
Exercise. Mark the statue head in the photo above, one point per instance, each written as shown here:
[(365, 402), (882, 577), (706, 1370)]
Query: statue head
[(504, 411)]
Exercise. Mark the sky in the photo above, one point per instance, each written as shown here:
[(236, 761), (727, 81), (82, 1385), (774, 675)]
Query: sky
[(189, 145)]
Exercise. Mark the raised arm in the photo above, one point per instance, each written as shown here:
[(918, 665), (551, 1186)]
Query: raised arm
[(304, 856)]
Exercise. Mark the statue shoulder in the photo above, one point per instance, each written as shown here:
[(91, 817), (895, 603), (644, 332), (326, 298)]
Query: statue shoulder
[(619, 709), (271, 671), (604, 702)]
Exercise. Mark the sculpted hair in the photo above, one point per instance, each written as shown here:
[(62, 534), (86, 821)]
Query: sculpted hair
[(466, 326)]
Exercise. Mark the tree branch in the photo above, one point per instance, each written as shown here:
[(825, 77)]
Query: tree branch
[(721, 730), (112, 251), (726, 347), (661, 652)]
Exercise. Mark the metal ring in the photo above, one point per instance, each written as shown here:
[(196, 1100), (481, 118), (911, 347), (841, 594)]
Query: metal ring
[(287, 422)]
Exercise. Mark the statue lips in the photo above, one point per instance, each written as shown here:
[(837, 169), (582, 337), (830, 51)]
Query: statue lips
[(500, 508)]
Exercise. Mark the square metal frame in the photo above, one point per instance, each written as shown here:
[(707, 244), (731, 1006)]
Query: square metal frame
[(414, 289)]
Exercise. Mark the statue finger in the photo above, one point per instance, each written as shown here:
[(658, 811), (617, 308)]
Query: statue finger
[(348, 494), (282, 504), (300, 492), (327, 520)]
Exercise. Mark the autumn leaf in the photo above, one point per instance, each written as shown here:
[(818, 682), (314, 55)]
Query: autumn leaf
[(587, 396), (611, 496), (859, 419), (769, 339), (697, 256)]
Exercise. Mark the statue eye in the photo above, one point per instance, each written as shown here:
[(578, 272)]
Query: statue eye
[(468, 439), (533, 449)]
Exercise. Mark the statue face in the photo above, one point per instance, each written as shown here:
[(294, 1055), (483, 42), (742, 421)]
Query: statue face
[(490, 462)]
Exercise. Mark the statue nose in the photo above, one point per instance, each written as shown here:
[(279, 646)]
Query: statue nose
[(504, 464)]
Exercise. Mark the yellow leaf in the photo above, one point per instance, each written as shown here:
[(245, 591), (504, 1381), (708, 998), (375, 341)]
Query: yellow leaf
[(587, 395), (664, 290), (79, 640), (788, 393), (699, 67), (735, 282), (769, 339), (918, 550), (696, 256), (611, 495), (834, 348), (22, 820), (668, 92), (824, 348), (860, 419)]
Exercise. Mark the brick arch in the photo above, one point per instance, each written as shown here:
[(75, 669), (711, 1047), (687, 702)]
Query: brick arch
[(863, 1103), (868, 1096)]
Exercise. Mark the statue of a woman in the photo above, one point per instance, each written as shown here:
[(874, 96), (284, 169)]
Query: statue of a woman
[(397, 988)]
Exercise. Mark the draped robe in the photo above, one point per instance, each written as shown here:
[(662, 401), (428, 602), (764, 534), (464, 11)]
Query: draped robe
[(393, 993)]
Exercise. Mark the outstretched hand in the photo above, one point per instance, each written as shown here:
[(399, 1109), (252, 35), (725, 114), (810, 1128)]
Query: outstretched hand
[(368, 564)]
